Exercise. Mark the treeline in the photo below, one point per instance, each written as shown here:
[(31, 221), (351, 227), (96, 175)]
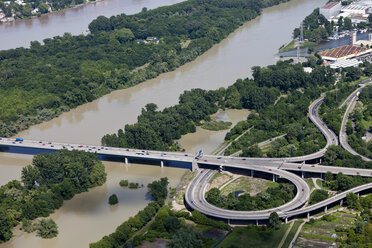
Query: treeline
[(270, 198), (159, 129), (337, 156), (361, 117), (51, 179), (172, 225), (341, 182), (39, 83), (287, 116)]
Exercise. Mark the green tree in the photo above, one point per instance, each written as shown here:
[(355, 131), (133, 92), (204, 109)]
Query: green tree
[(5, 225), (274, 221), (30, 175), (318, 195), (352, 201), (43, 8), (47, 228), (185, 238), (113, 199)]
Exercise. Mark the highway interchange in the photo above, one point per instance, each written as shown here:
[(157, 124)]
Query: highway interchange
[(195, 192)]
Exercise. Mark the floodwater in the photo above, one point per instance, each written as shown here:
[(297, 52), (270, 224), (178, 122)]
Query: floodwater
[(87, 217), (255, 43), (210, 141), (74, 21)]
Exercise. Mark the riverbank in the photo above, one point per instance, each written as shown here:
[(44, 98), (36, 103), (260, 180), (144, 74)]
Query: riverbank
[(38, 14)]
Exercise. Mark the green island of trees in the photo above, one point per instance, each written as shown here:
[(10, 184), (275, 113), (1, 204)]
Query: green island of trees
[(51, 179), (113, 199), (41, 82)]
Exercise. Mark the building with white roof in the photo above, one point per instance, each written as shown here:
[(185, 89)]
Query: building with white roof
[(345, 63), (330, 9)]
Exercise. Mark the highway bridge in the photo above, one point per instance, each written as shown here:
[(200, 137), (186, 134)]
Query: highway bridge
[(195, 193)]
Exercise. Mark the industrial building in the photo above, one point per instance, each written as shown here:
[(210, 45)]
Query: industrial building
[(344, 52), (330, 9), (345, 63)]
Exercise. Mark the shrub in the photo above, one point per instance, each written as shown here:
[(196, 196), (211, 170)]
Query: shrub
[(133, 185), (113, 199), (47, 228), (124, 183)]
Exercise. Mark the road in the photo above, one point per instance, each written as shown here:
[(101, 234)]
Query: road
[(351, 100), (195, 198), (195, 192)]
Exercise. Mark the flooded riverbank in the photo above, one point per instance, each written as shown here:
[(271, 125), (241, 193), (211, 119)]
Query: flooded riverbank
[(88, 217)]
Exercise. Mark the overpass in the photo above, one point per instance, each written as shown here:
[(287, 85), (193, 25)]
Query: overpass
[(195, 192)]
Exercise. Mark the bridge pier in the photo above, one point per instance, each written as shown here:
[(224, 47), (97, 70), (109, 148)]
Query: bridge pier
[(162, 164), (308, 216), (252, 173), (194, 165), (302, 174), (325, 209), (357, 194), (256, 222), (341, 202), (126, 160), (273, 177), (286, 220)]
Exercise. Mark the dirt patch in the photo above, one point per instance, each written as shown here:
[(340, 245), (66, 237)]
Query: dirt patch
[(220, 180), (250, 185), (185, 44), (177, 200), (158, 243)]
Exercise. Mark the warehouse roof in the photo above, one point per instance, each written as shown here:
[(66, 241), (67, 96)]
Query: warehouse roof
[(342, 51), (330, 5)]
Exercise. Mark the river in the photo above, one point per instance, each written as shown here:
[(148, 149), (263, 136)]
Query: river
[(74, 21), (255, 43)]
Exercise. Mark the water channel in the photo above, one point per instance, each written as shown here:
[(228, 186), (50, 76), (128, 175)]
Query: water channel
[(88, 217)]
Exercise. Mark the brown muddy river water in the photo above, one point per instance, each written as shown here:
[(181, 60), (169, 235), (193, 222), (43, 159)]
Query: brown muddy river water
[(87, 217)]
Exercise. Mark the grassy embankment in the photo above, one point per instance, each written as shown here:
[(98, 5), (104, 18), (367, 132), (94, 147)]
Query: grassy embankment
[(292, 45), (216, 125)]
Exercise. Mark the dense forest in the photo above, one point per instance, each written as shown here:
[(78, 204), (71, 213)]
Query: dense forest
[(159, 129), (287, 116), (51, 179), (39, 83)]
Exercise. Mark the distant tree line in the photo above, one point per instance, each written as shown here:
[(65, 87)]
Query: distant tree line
[(47, 79), (159, 129), (51, 179)]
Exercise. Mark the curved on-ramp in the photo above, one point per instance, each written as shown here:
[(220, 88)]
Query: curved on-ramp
[(195, 198), (351, 100)]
